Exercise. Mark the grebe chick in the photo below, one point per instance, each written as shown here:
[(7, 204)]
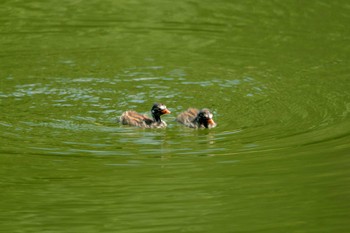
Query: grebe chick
[(195, 118), (133, 118)]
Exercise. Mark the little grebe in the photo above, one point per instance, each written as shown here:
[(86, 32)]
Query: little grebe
[(136, 119), (195, 118)]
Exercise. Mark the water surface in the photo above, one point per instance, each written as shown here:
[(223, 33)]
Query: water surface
[(275, 75)]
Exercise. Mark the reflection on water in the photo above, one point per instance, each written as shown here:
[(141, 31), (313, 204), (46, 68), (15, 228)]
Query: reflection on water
[(274, 75)]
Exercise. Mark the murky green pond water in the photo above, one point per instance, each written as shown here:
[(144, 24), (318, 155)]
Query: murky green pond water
[(275, 74)]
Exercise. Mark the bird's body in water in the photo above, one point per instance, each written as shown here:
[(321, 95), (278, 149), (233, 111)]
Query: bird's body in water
[(133, 118), (195, 118)]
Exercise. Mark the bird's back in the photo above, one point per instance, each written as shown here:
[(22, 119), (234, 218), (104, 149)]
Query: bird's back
[(135, 119), (187, 117)]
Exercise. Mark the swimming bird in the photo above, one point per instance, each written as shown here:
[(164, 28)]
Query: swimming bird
[(133, 118), (195, 118)]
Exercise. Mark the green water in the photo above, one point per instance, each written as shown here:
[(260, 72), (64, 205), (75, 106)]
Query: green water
[(274, 73)]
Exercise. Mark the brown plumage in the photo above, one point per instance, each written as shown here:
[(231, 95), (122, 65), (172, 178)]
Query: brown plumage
[(195, 118), (133, 118)]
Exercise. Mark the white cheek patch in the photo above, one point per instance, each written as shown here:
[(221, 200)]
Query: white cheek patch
[(210, 116), (162, 107)]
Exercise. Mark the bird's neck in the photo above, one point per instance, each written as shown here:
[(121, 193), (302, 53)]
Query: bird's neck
[(156, 118), (199, 121)]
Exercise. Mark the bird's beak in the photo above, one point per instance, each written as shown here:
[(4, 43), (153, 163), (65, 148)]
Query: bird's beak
[(165, 111), (211, 122)]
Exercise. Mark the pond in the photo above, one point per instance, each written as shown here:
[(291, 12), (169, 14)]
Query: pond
[(274, 74)]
